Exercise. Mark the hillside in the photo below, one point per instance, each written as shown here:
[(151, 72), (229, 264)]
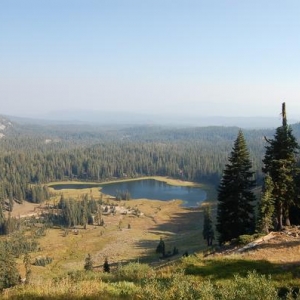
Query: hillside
[(124, 237), (277, 247), (137, 272), (268, 271), (131, 229)]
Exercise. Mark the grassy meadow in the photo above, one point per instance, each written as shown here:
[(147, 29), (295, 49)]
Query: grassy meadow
[(123, 238), (137, 272)]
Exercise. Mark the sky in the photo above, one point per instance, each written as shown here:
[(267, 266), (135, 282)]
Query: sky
[(206, 58)]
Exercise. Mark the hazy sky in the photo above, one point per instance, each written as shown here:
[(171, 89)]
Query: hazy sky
[(192, 57)]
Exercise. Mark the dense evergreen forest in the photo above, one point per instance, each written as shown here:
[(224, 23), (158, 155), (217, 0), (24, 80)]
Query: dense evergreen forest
[(32, 155)]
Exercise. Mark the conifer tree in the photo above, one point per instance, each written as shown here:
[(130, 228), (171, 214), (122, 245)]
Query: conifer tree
[(235, 214), (208, 231), (106, 267), (84, 209), (9, 275), (88, 266), (27, 265), (266, 206), (295, 208), (161, 247), (280, 164)]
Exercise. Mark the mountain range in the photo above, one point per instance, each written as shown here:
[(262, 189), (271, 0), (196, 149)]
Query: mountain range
[(125, 118)]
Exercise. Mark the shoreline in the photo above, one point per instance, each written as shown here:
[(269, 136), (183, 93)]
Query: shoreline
[(210, 193)]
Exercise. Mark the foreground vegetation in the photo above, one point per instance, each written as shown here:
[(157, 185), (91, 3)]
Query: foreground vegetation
[(190, 278)]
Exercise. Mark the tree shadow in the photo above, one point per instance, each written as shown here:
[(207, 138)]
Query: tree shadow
[(183, 230), (227, 268), (279, 245)]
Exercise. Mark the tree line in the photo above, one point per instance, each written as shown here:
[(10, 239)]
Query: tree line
[(34, 155)]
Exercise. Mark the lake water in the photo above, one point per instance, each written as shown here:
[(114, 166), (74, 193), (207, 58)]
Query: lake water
[(150, 189)]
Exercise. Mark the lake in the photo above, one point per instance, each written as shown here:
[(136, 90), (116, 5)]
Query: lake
[(147, 188)]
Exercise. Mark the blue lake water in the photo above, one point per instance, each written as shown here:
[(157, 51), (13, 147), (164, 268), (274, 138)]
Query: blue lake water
[(148, 188)]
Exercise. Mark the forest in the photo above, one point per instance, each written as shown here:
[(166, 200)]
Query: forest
[(32, 156)]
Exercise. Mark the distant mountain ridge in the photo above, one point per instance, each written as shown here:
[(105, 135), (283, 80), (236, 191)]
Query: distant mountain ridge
[(126, 118)]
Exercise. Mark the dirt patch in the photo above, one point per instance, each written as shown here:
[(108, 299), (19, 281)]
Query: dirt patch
[(284, 247), (277, 247), (25, 209)]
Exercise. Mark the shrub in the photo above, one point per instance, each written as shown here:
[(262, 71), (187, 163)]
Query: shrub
[(9, 275), (43, 261), (179, 286), (246, 239), (106, 267), (134, 271), (252, 287), (88, 266)]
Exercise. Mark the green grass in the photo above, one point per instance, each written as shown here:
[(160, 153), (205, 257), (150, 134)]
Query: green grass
[(216, 269), (224, 268), (214, 279)]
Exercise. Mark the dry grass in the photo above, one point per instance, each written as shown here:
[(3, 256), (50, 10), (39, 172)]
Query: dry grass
[(284, 248), (178, 226), (26, 208)]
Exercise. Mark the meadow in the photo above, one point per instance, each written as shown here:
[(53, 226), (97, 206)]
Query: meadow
[(123, 238), (270, 271)]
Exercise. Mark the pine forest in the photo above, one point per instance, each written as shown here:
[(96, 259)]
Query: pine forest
[(75, 241)]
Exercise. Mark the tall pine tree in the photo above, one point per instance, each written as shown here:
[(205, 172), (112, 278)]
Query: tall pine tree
[(208, 230), (235, 215), (266, 206), (280, 164)]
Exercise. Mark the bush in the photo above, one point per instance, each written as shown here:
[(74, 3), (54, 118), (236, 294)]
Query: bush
[(80, 275), (134, 271), (9, 275), (179, 286), (43, 261), (253, 287), (246, 239), (88, 266)]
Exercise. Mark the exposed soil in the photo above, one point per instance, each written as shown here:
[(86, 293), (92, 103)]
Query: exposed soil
[(277, 247), (26, 209), (283, 248)]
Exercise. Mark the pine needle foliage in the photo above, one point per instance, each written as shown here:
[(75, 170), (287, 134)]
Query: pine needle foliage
[(9, 275), (235, 214), (106, 267), (208, 230), (280, 164), (88, 265), (266, 207)]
